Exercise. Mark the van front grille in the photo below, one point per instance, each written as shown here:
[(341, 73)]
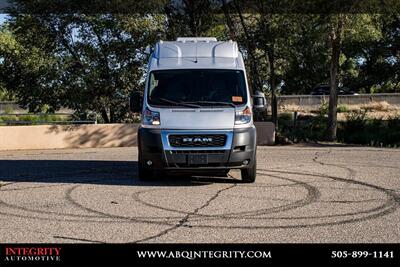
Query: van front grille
[(198, 140)]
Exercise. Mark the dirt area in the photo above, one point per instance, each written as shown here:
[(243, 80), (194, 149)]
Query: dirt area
[(375, 110)]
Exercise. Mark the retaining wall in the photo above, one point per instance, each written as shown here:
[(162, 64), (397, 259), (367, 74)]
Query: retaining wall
[(89, 136)]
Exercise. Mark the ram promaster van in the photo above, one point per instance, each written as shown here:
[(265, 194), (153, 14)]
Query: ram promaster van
[(197, 113)]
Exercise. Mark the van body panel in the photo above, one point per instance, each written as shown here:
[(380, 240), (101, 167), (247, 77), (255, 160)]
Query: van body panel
[(206, 49), (198, 119)]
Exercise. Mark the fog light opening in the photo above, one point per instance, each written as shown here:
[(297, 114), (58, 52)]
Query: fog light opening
[(246, 162), (149, 163)]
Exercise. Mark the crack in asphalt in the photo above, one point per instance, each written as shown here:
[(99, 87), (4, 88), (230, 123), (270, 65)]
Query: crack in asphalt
[(186, 218), (351, 172)]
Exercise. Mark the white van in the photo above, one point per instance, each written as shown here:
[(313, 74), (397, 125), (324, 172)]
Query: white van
[(197, 113)]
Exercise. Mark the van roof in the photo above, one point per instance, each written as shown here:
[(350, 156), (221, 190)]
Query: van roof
[(196, 52)]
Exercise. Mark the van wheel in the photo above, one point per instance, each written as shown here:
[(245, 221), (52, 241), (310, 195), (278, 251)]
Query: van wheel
[(144, 173), (249, 174)]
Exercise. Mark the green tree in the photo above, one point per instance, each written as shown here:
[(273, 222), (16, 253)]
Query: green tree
[(195, 18), (377, 59), (275, 37), (23, 71), (308, 59), (342, 28), (267, 39), (8, 49), (86, 62)]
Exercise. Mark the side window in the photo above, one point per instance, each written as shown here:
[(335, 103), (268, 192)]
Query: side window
[(153, 83)]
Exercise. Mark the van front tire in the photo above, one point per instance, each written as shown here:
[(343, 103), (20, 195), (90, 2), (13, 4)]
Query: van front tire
[(249, 174), (144, 174)]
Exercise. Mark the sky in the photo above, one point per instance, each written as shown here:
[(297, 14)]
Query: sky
[(2, 18)]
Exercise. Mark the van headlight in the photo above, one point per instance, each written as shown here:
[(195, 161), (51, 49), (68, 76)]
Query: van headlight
[(243, 116), (151, 117)]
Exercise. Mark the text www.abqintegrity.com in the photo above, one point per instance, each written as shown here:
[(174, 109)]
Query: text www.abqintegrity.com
[(204, 254)]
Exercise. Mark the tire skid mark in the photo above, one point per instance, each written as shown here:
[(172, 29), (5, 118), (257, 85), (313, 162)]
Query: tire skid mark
[(297, 225), (78, 239), (29, 187), (317, 159), (312, 195), (144, 221), (5, 184), (108, 215), (185, 219), (17, 207), (114, 219), (46, 219), (390, 205), (385, 206)]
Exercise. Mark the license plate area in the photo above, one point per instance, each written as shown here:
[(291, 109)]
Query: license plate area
[(200, 159)]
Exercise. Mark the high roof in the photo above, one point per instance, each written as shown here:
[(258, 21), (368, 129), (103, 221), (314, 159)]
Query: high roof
[(196, 47), (192, 52)]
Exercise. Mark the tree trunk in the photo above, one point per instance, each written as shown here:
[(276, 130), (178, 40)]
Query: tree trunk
[(228, 19), (333, 96), (336, 42), (104, 115), (112, 115), (251, 49), (274, 102)]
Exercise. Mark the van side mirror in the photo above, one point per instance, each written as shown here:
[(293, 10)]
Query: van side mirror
[(136, 102), (259, 101)]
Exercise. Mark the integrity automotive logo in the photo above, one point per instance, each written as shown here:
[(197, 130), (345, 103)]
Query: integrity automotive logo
[(32, 254)]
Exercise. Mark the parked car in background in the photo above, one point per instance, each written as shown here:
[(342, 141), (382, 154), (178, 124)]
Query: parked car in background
[(325, 90)]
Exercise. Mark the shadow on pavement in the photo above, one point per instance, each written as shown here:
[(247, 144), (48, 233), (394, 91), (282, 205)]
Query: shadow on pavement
[(91, 172)]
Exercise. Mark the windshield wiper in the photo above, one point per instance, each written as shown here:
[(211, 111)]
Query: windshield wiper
[(212, 103), (175, 103)]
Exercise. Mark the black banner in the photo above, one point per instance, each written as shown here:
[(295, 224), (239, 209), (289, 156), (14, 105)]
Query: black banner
[(200, 254), (51, 7)]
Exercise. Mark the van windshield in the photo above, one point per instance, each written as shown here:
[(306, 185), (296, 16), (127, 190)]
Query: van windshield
[(194, 88)]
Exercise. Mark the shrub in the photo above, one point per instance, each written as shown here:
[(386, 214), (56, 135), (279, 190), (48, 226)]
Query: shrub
[(358, 129), (342, 109), (308, 128), (32, 119), (324, 108)]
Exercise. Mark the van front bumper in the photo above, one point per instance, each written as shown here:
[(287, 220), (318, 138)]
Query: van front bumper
[(237, 154)]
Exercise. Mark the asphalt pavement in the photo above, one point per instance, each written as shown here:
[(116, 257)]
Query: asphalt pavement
[(302, 194)]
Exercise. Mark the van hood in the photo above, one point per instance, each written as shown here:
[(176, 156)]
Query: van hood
[(197, 118)]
